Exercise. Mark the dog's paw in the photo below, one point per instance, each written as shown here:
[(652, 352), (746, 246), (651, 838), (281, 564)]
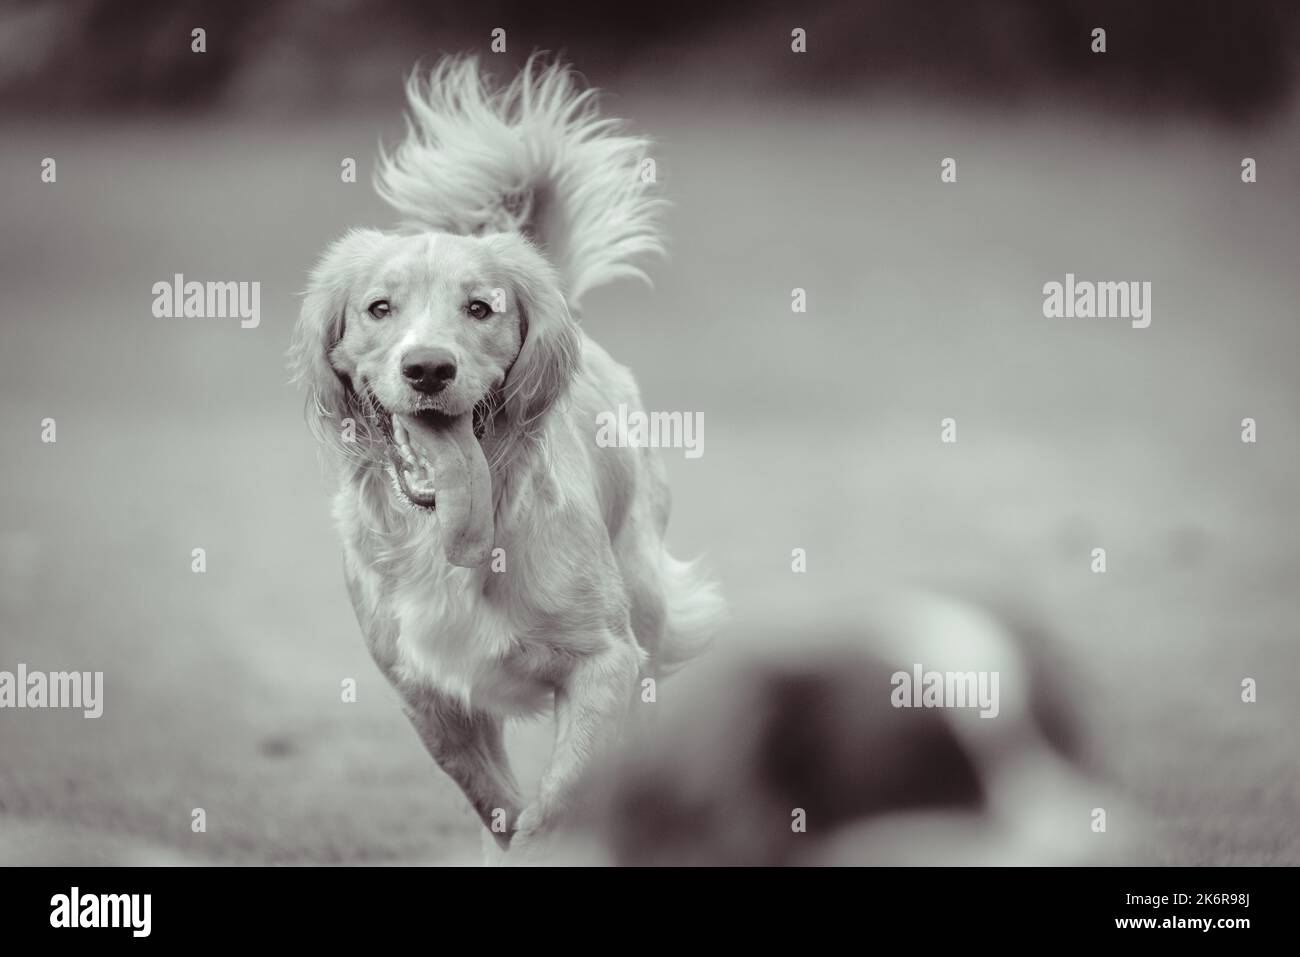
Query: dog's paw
[(531, 830), (529, 825)]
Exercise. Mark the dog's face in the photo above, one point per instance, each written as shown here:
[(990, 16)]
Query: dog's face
[(430, 323), (414, 337)]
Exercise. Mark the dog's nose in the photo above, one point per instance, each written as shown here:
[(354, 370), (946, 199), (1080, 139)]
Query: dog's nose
[(428, 370)]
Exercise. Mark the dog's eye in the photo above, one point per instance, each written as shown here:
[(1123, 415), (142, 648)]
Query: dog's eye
[(479, 309), (380, 309)]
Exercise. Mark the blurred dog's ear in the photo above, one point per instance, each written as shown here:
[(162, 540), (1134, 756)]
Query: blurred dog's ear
[(330, 398), (550, 352)]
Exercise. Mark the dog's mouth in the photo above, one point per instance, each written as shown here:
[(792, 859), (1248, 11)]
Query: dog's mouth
[(413, 440), (439, 464)]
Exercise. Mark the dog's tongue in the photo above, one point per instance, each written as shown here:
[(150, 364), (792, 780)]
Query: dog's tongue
[(462, 482)]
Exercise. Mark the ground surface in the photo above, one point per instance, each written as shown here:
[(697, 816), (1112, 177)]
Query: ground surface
[(821, 432)]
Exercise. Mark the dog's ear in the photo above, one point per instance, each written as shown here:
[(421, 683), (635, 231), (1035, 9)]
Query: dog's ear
[(551, 349), (330, 399)]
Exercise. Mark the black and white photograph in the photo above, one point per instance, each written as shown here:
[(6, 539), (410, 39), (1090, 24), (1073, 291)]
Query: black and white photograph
[(850, 433)]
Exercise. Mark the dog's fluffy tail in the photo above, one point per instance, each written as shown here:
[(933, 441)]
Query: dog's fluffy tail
[(534, 157), (695, 611)]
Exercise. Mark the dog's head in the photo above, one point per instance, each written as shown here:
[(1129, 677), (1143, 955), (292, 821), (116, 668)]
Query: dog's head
[(418, 350)]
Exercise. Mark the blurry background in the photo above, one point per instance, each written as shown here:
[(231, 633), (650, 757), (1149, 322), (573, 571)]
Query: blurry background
[(821, 430)]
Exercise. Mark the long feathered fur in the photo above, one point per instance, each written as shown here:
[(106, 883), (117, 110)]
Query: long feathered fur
[(533, 157)]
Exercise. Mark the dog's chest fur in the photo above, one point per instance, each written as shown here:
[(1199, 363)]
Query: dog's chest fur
[(435, 626), (452, 637)]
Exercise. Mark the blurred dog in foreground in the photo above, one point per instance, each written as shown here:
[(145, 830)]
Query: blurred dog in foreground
[(801, 750), (498, 559)]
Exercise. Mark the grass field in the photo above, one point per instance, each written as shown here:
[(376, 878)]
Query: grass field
[(821, 432)]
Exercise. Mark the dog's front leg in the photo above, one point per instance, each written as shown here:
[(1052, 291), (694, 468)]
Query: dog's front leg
[(468, 746), (591, 707)]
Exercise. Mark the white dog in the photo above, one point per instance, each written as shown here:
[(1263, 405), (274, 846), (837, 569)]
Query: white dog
[(498, 559)]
